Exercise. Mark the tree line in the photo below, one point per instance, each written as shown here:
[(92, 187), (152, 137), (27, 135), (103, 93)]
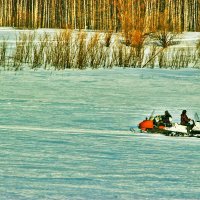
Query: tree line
[(116, 15)]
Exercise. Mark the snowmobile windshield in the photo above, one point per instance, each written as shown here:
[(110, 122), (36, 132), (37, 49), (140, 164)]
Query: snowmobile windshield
[(196, 117)]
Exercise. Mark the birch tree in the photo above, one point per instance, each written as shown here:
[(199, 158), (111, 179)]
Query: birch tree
[(184, 15)]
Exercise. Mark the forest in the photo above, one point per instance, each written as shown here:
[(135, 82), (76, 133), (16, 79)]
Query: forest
[(116, 15)]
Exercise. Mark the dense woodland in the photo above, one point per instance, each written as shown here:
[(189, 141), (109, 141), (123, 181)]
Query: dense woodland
[(117, 15)]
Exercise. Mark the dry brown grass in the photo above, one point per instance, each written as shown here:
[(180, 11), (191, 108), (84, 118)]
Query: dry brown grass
[(71, 49), (81, 51), (176, 58), (107, 38), (3, 51)]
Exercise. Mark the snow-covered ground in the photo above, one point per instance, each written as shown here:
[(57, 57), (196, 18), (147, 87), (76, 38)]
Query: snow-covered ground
[(65, 135), (184, 39), (189, 38)]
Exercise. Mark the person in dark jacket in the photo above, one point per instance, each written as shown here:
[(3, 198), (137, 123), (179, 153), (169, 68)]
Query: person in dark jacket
[(185, 119), (167, 118)]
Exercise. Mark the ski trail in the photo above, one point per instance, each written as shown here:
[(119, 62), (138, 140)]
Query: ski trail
[(63, 130)]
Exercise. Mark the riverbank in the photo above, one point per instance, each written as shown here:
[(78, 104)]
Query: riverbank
[(73, 49)]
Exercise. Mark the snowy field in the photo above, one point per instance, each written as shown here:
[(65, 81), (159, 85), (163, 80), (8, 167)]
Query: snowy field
[(65, 135)]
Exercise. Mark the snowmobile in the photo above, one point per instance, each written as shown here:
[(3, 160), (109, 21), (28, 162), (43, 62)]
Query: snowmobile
[(154, 124)]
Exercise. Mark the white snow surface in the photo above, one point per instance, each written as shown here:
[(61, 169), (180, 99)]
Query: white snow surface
[(65, 135)]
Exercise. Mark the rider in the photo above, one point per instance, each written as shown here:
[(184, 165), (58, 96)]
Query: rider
[(163, 120), (167, 118), (185, 121)]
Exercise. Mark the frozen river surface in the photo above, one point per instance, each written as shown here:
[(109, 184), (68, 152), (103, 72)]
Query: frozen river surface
[(65, 135)]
